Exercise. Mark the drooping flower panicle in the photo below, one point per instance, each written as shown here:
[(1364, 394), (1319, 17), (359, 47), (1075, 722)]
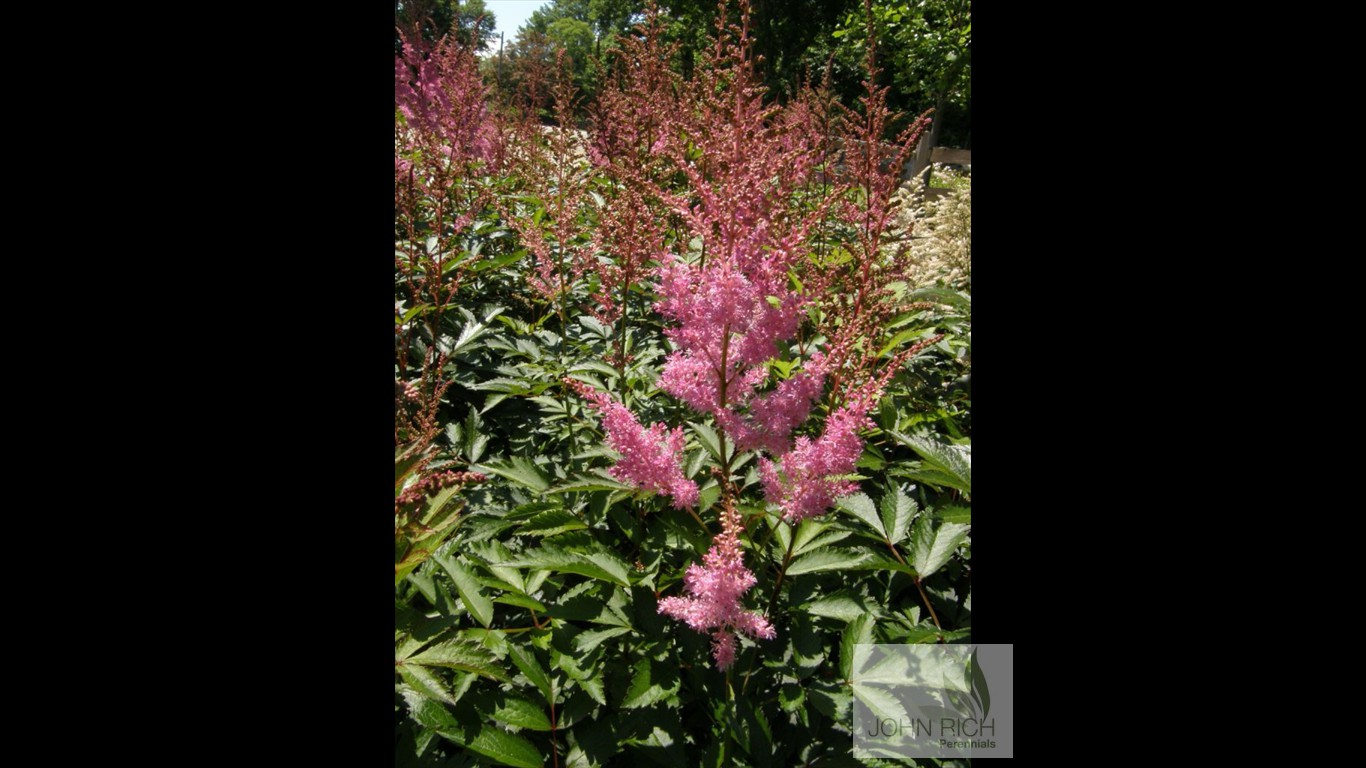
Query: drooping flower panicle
[(774, 415), (734, 304), (808, 479), (443, 100), (715, 588), (803, 484), (651, 458)]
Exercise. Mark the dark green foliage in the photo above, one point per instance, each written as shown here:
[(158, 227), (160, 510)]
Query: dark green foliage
[(546, 592)]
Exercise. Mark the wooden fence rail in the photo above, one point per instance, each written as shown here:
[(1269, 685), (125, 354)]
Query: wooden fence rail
[(945, 156)]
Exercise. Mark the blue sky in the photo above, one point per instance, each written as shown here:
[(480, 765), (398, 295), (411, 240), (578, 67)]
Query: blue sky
[(511, 14)]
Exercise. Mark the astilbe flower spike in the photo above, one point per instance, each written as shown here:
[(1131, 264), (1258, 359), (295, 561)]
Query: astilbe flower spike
[(650, 458), (729, 170), (445, 142), (438, 91), (549, 167), (732, 305), (808, 480), (733, 174), (804, 487), (715, 589)]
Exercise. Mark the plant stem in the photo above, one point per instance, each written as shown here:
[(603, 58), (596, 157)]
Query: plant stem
[(773, 599), (730, 700), (768, 536), (554, 748), (778, 583), (921, 589), (621, 345), (926, 598), (895, 553), (720, 406), (698, 519)]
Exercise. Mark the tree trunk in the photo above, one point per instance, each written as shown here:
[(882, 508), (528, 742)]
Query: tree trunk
[(931, 139), (928, 140)]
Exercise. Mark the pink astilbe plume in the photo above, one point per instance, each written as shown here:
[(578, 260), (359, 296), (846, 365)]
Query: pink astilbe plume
[(629, 235), (549, 169), (740, 264), (726, 327), (650, 458), (630, 117), (445, 143), (808, 479), (733, 305), (715, 589), (774, 415), (854, 294), (803, 485), (728, 172), (438, 91), (636, 116)]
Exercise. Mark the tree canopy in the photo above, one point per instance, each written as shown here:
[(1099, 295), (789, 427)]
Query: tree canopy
[(924, 47), (471, 20)]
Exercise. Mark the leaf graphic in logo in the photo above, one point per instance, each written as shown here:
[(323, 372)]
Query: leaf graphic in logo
[(960, 702), (978, 680)]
